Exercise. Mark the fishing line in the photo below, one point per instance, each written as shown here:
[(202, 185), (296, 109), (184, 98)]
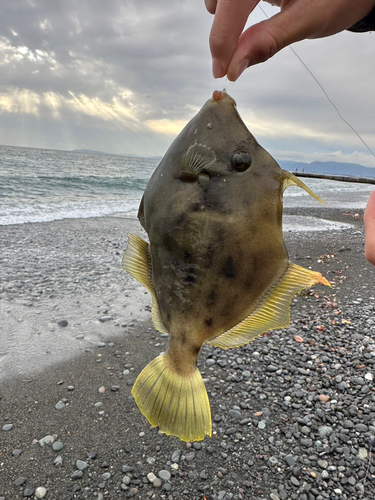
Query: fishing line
[(325, 93)]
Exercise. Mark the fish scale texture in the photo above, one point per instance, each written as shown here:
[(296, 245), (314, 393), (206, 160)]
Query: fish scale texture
[(177, 404)]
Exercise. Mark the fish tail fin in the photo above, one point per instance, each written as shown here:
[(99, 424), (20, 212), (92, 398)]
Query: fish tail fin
[(177, 404)]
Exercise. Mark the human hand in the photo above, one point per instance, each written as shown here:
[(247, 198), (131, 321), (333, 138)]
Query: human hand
[(234, 50), (369, 220)]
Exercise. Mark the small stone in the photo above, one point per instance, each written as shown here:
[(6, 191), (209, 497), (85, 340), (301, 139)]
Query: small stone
[(7, 427), (165, 475), (81, 465), (58, 461), (60, 405), (262, 424), (156, 483), (57, 446), (190, 456), (46, 440), (323, 464), (235, 414), (294, 481), (19, 481), (324, 431), (70, 388), (104, 319), (273, 496), (290, 460), (77, 474), (106, 476), (40, 492), (362, 453), (62, 322), (28, 492), (17, 452), (323, 398), (361, 427), (151, 477)]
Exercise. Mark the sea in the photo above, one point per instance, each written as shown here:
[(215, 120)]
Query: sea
[(39, 185)]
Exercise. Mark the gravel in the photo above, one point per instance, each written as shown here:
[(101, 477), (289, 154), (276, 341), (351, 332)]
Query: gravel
[(293, 412)]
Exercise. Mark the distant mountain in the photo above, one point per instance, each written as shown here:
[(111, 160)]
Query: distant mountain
[(328, 167)]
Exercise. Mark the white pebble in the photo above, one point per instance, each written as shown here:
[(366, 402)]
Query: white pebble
[(40, 492), (151, 477), (369, 376)]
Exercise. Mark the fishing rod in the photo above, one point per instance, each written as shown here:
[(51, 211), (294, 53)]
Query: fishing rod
[(342, 178)]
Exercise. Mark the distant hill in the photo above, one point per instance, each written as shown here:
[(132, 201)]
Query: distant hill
[(328, 167)]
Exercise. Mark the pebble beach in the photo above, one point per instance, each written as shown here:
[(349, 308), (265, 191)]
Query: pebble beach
[(293, 412)]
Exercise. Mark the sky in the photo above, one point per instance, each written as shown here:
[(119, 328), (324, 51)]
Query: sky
[(125, 76)]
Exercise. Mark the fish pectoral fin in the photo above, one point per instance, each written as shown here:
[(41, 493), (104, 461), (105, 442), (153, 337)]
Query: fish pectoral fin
[(197, 158), (177, 404), (291, 180), (136, 262), (273, 311)]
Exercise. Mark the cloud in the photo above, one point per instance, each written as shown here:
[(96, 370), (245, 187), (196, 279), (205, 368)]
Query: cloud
[(94, 71)]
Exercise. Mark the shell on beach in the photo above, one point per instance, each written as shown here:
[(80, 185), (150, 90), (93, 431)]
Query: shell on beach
[(216, 264)]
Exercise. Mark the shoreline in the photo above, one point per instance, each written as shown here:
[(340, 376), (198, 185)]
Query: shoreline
[(273, 431)]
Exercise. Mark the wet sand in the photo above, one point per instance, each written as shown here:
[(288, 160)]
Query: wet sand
[(75, 332)]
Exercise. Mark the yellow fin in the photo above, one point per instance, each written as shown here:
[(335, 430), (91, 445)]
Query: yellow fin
[(273, 311), (177, 404), (136, 262), (292, 180)]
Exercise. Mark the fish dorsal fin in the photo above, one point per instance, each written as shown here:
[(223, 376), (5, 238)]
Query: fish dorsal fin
[(197, 158), (136, 262), (273, 311), (291, 180)]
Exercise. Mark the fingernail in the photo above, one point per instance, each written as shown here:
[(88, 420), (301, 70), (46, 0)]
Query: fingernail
[(217, 69), (241, 68)]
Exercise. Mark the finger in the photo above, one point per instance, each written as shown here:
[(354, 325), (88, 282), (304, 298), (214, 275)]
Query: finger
[(263, 40), (296, 21), (211, 6), (369, 220), (230, 19)]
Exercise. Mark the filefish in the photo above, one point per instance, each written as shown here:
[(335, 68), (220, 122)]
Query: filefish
[(216, 264)]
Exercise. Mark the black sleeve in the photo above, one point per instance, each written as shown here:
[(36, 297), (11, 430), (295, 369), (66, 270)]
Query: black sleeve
[(365, 24)]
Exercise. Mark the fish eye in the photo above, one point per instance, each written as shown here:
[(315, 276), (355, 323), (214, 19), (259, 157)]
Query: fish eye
[(241, 161)]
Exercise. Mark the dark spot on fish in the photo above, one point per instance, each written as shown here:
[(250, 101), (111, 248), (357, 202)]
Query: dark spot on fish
[(187, 256), (190, 277), (211, 299), (181, 219), (229, 269), (208, 322)]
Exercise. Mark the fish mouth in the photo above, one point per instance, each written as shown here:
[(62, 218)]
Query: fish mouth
[(221, 95)]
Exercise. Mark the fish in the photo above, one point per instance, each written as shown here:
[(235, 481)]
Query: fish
[(216, 264)]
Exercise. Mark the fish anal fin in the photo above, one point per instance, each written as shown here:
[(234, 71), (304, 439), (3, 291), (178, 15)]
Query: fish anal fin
[(177, 404), (273, 311), (291, 180), (136, 262)]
